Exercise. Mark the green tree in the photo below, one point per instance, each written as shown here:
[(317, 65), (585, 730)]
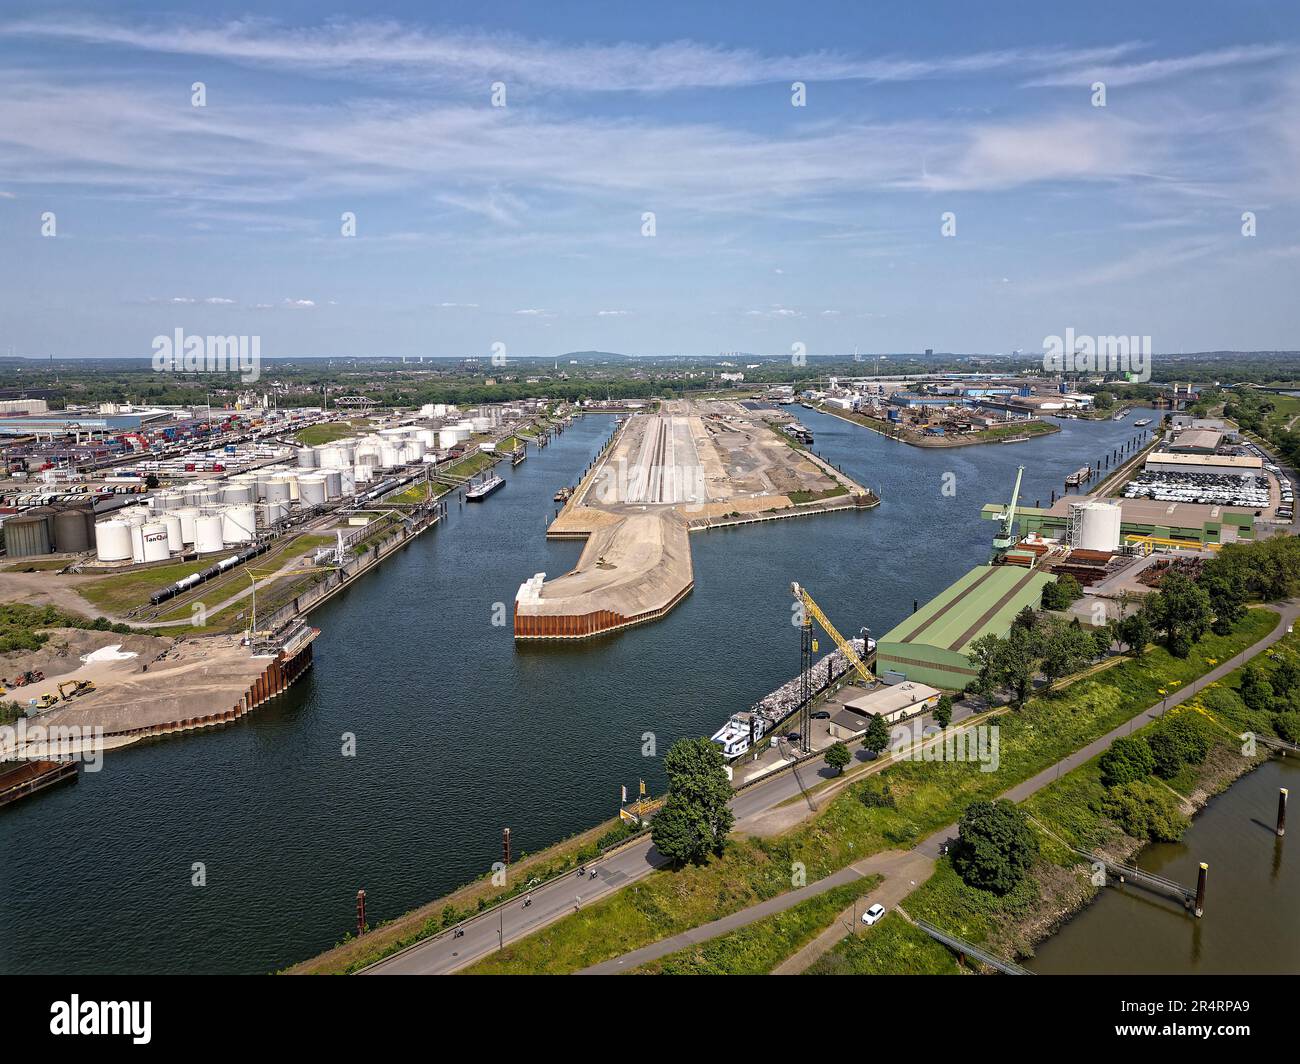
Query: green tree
[(1176, 741), (695, 817), (1129, 758), (1181, 611), (1136, 631), (943, 711), (1146, 811), (877, 736), (837, 757), (1287, 725), (995, 846), (1059, 595), (1227, 591), (1065, 650), (1255, 689)]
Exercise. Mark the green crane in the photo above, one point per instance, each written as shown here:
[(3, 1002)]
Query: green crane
[(1006, 536)]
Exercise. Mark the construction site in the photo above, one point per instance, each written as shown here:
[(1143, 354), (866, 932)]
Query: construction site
[(692, 466)]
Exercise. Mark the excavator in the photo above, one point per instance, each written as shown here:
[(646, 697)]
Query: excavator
[(69, 689)]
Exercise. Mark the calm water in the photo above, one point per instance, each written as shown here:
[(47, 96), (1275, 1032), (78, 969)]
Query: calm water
[(1252, 897), (459, 732)]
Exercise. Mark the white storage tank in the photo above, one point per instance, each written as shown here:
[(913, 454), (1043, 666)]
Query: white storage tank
[(364, 473), (446, 439), (239, 523), (311, 490), (236, 494), (333, 484), (207, 534), (112, 541), (271, 512), (175, 540), (389, 456), (279, 489), (137, 543), (1097, 526), (188, 515), (306, 458), (154, 541), (347, 482)]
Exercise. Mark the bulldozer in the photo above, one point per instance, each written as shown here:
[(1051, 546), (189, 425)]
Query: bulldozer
[(69, 689)]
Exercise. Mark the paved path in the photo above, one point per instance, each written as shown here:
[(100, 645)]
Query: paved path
[(928, 850)]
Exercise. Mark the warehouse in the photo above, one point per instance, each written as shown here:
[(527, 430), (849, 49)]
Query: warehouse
[(931, 646), (1196, 441), (1196, 523), (1234, 465)]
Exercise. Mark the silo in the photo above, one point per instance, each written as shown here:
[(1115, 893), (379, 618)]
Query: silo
[(154, 538), (70, 536), (27, 535), (238, 523), (312, 490), (207, 534), (112, 541), (175, 541)]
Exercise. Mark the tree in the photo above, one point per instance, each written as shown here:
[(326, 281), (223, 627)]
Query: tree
[(983, 654), (1181, 610), (877, 737), (995, 846), (1255, 689), (1135, 631), (943, 711), (1287, 725), (1102, 639), (837, 757), (1226, 588), (1059, 595), (1174, 742), (1065, 650), (1146, 811), (1128, 759), (695, 817), (1016, 660)]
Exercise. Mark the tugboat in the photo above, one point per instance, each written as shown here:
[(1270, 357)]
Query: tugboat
[(480, 491)]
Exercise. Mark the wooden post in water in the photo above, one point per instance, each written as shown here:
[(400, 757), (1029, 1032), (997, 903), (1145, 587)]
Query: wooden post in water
[(361, 913), (505, 845), (1281, 811), (1201, 873)]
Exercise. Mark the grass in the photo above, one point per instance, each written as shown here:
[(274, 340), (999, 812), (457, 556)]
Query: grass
[(123, 591), (929, 795), (797, 497), (892, 946), (759, 947), (315, 435)]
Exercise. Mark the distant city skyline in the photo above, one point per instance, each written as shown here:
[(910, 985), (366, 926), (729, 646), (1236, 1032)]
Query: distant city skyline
[(574, 177)]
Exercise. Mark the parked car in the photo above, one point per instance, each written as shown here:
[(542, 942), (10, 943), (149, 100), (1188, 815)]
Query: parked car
[(821, 714), (873, 914)]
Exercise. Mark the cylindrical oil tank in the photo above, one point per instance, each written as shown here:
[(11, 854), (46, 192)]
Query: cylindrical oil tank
[(311, 490), (446, 439), (70, 535), (175, 541), (482, 424), (271, 512), (239, 523), (362, 473), (188, 515), (137, 543), (1098, 526), (236, 494), (389, 456), (112, 541), (347, 481), (191, 494), (210, 496), (333, 484), (27, 535), (207, 534), (154, 536), (306, 458), (277, 489)]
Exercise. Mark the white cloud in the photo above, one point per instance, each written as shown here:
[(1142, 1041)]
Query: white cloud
[(612, 313)]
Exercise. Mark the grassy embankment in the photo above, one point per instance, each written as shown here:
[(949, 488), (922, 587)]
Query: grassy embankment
[(315, 435), (25, 627), (760, 947), (1058, 884), (928, 796)]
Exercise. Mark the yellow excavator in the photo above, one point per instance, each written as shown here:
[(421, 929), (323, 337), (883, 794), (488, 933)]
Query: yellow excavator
[(69, 689)]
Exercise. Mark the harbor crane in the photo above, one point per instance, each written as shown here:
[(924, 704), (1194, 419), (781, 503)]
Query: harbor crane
[(1006, 536), (809, 612)]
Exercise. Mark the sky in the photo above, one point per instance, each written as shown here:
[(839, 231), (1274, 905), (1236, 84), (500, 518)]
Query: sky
[(499, 162)]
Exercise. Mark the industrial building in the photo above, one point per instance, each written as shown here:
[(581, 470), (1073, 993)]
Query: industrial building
[(1236, 465), (1194, 523), (1196, 441), (931, 646)]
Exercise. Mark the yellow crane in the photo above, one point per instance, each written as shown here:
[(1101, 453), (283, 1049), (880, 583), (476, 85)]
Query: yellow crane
[(813, 612)]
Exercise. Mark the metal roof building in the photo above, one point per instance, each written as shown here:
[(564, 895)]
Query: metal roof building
[(930, 647)]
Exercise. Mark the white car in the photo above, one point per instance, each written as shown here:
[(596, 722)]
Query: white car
[(873, 914)]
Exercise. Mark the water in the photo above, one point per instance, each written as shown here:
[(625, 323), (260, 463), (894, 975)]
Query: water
[(1251, 922), (460, 733)]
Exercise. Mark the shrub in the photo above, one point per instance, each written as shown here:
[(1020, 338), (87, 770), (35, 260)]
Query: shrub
[(1287, 725), (1146, 811), (995, 846), (1128, 759)]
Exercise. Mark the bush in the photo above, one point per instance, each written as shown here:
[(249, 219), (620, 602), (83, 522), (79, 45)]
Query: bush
[(877, 795), (1176, 741), (1287, 725), (1223, 700), (1146, 811), (995, 846), (1127, 760)]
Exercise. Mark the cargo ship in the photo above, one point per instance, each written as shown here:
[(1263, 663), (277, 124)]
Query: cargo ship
[(483, 488)]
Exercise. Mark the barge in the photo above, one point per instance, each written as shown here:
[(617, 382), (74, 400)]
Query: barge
[(484, 488)]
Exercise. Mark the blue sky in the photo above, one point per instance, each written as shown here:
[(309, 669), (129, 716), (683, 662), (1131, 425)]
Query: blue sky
[(522, 224)]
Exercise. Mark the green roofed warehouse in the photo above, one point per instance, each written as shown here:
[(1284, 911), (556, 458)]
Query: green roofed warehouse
[(931, 645)]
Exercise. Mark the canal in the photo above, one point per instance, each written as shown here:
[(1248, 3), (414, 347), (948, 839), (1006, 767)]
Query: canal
[(1252, 898), (460, 733)]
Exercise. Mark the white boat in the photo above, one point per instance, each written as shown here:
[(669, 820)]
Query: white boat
[(739, 733), (483, 488)]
